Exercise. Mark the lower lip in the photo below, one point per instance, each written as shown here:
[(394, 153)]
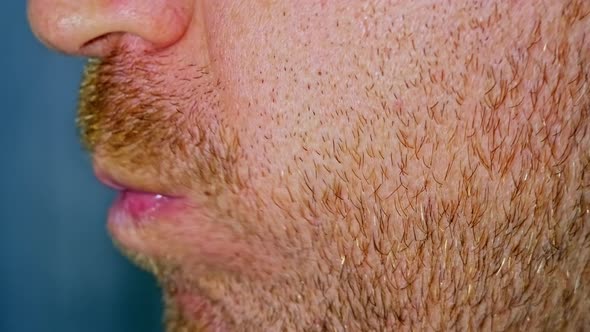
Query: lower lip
[(139, 207)]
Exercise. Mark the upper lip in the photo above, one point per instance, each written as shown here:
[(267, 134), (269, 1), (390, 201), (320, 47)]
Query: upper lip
[(107, 180), (114, 180)]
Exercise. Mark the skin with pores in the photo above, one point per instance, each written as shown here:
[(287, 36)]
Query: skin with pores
[(354, 165)]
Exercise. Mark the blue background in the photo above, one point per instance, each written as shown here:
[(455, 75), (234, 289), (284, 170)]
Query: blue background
[(59, 270)]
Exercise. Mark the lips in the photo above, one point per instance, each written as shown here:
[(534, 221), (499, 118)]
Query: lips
[(139, 206), (134, 206)]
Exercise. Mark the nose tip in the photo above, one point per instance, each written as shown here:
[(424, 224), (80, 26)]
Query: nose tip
[(95, 27)]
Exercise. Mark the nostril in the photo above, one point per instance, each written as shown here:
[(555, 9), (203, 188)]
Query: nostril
[(101, 45), (111, 42)]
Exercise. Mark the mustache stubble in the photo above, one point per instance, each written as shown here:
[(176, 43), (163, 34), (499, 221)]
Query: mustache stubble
[(129, 115)]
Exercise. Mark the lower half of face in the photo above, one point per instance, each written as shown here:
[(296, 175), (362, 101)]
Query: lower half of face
[(362, 166)]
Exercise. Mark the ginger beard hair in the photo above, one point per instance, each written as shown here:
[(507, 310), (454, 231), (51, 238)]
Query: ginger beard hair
[(455, 196)]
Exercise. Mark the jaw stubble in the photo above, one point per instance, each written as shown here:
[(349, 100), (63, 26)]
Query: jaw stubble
[(469, 209)]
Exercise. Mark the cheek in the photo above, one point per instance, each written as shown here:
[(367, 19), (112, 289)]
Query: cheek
[(276, 63), (314, 98)]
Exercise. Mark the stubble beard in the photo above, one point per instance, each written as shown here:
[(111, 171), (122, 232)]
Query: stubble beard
[(471, 211)]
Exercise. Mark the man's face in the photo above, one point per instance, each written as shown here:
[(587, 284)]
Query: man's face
[(343, 165)]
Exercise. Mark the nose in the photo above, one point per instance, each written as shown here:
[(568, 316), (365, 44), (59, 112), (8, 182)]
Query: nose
[(96, 27)]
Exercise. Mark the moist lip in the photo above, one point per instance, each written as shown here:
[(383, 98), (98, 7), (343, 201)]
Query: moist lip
[(134, 203), (139, 205)]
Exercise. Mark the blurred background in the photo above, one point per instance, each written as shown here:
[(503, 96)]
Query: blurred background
[(59, 270)]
